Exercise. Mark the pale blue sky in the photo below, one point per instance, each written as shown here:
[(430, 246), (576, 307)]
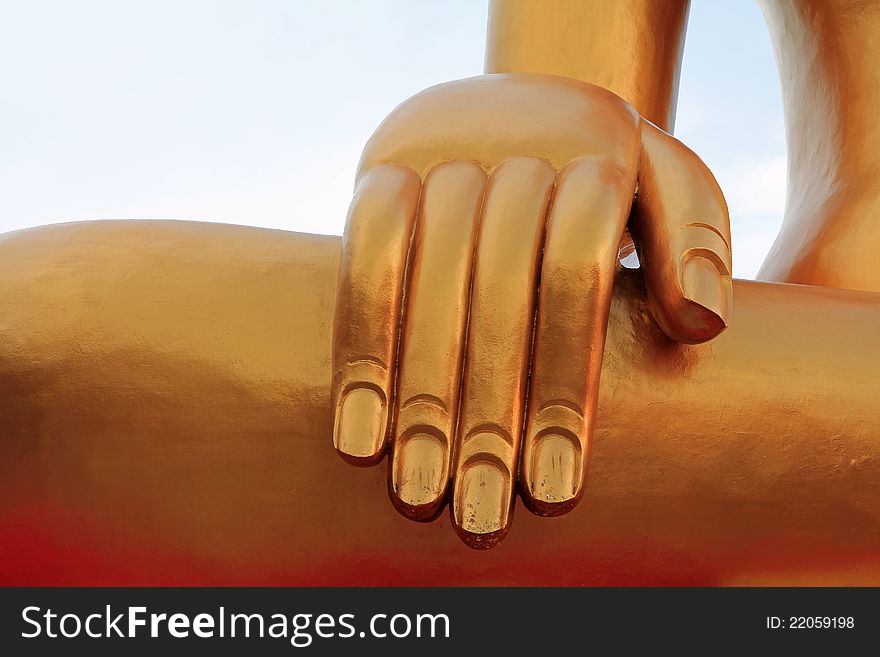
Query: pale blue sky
[(255, 111)]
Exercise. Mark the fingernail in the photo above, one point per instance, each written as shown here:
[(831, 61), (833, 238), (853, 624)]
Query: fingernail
[(482, 507), (360, 430), (420, 471), (554, 469), (702, 284)]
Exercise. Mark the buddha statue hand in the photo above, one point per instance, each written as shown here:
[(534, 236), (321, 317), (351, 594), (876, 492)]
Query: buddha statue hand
[(475, 284)]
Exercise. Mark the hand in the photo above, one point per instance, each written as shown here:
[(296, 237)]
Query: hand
[(475, 285)]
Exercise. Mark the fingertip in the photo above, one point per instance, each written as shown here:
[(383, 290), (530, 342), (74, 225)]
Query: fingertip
[(419, 476), (690, 322), (541, 506), (548, 503), (701, 323), (482, 508), (400, 175), (553, 473), (697, 307), (361, 426), (426, 512), (361, 461), (705, 286), (481, 541)]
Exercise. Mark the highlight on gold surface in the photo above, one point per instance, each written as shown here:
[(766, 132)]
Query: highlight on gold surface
[(527, 178), (167, 404)]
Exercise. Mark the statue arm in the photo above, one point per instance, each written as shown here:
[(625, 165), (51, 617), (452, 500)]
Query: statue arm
[(829, 68), (829, 65), (631, 47)]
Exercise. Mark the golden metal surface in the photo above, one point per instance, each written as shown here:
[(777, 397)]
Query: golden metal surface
[(829, 63), (519, 403), (178, 383), (166, 414), (632, 47), (497, 152)]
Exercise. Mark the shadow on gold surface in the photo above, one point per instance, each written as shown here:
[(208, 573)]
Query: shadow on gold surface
[(165, 414)]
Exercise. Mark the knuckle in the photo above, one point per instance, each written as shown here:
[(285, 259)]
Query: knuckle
[(559, 415), (598, 170), (487, 442), (720, 257), (712, 227), (456, 168), (528, 167), (389, 176), (423, 413)]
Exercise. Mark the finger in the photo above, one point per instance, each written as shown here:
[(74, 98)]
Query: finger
[(431, 350), (590, 208), (368, 303), (682, 231), (498, 344)]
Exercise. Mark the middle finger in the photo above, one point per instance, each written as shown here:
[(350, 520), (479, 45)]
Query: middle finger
[(499, 341)]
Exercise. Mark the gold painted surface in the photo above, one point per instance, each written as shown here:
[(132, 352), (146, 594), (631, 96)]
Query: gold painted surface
[(485, 330), (522, 397), (631, 47), (165, 418), (173, 381), (829, 64), (828, 52)]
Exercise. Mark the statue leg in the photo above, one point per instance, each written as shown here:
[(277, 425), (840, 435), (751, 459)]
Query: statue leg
[(164, 418)]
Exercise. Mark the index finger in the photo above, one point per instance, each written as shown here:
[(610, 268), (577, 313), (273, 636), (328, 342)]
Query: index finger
[(368, 306)]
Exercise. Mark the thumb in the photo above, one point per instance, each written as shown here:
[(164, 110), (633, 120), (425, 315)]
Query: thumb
[(681, 227)]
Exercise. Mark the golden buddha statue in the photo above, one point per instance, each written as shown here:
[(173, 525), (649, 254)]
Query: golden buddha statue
[(169, 389)]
